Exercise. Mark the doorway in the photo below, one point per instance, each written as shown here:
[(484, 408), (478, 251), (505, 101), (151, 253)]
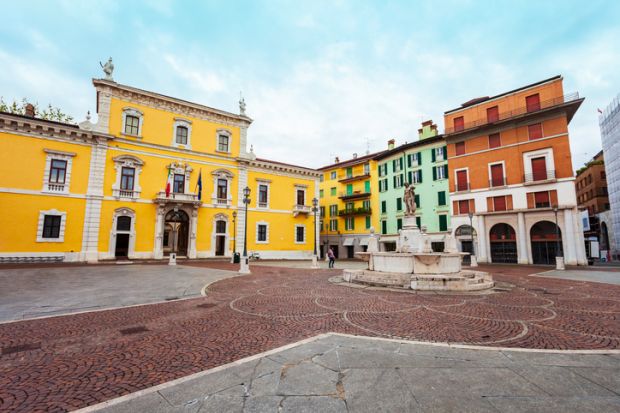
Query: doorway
[(176, 233), (503, 244), (220, 238), (123, 231), (546, 242)]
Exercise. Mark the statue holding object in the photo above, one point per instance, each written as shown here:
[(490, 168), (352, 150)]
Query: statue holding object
[(409, 199)]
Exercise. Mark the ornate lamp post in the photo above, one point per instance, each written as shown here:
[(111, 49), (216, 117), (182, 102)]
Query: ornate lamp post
[(234, 215), (245, 262), (315, 258), (473, 261), (559, 259)]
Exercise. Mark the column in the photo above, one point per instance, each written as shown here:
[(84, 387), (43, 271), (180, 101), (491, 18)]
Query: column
[(522, 252), (569, 238), (193, 229), (158, 251), (481, 251), (243, 182), (94, 197)]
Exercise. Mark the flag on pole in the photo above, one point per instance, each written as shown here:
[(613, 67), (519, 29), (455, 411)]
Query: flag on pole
[(199, 185), (168, 182)]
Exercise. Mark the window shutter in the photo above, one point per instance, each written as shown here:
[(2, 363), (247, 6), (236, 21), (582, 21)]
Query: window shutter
[(539, 168), (410, 177), (445, 152), (445, 171), (419, 158), (420, 176), (409, 161), (402, 179), (433, 156), (400, 161), (394, 179), (417, 201), (434, 173)]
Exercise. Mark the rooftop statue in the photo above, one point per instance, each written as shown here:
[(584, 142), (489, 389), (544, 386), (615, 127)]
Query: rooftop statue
[(108, 68)]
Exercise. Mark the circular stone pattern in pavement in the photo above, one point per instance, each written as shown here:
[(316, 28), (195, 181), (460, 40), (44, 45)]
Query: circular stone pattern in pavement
[(68, 362)]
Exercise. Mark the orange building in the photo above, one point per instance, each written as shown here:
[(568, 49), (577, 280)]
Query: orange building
[(511, 175)]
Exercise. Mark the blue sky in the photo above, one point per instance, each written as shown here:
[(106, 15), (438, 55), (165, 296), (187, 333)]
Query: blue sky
[(320, 78)]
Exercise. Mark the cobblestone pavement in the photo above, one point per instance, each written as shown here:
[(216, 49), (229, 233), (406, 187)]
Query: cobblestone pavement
[(63, 363)]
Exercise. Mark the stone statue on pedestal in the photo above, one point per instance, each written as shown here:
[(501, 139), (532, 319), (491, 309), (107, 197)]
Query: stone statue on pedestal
[(108, 68), (409, 199), (241, 105)]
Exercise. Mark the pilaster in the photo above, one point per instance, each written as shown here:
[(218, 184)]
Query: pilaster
[(94, 197), (243, 182), (482, 247), (522, 251), (570, 238)]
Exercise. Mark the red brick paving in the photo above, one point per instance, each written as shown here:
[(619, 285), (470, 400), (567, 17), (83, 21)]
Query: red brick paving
[(84, 359)]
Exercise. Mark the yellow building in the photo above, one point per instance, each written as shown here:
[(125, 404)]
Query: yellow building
[(98, 191), (349, 201)]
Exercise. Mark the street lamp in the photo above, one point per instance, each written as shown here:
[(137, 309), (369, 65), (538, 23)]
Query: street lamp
[(245, 262), (315, 258), (234, 215), (473, 262), (559, 259)]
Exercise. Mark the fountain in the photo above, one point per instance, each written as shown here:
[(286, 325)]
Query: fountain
[(414, 265)]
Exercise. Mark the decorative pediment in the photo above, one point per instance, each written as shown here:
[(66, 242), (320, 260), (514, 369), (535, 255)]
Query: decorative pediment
[(128, 160), (222, 173)]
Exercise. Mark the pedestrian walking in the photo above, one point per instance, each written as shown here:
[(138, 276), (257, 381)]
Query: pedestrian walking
[(332, 257)]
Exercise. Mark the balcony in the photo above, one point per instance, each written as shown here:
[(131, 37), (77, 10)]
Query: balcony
[(176, 197), (55, 187), (512, 114), (301, 209), (354, 195), (125, 193), (351, 178), (497, 182), (539, 177), (354, 211)]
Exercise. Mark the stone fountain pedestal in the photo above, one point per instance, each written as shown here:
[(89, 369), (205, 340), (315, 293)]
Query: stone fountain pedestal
[(415, 266)]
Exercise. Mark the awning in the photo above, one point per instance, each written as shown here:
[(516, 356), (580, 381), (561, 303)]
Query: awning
[(348, 242), (364, 241)]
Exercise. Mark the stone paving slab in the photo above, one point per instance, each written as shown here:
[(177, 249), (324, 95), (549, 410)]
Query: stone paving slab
[(609, 277), (36, 292), (307, 384)]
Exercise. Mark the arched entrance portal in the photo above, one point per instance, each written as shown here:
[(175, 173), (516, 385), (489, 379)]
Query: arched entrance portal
[(503, 244), (220, 237), (464, 234), (546, 242), (176, 232)]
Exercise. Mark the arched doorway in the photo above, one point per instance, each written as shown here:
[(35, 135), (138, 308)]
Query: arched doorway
[(220, 237), (503, 241), (176, 232), (546, 242), (464, 235), (123, 232)]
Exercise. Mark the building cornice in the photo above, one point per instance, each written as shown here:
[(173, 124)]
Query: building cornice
[(180, 106), (273, 166)]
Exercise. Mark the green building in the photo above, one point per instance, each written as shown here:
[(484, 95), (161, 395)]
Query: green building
[(425, 164)]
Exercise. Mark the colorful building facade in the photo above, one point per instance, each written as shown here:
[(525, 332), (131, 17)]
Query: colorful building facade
[(424, 163), (348, 201), (511, 176), (154, 175)]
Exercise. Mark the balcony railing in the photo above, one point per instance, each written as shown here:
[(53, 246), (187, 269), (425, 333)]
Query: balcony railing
[(351, 178), (462, 186), (547, 175), (515, 112), (176, 197), (301, 209), (125, 193), (354, 194), (495, 182), (53, 187), (354, 211)]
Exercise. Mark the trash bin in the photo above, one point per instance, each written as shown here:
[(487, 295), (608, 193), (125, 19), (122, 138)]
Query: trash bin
[(236, 258)]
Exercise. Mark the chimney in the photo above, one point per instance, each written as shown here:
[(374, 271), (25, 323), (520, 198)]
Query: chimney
[(391, 143), (355, 155), (337, 160), (29, 111)]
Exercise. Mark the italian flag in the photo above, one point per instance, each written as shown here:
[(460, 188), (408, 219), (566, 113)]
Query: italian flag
[(168, 182)]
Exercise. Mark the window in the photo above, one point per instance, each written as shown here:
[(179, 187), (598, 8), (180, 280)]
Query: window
[(383, 207), (460, 148), (300, 234), (333, 210), (366, 169), (463, 206), (349, 172), (332, 191), (399, 224), (414, 159), (367, 222), (399, 204), (416, 176), (58, 169), (492, 114), (222, 189), (541, 199), (443, 222), (418, 222), (499, 203), (349, 206), (321, 178), (261, 232), (416, 199), (462, 183), (383, 185), (349, 189), (123, 223), (494, 141), (181, 135), (366, 205), (179, 184), (532, 102), (132, 125), (127, 178), (535, 131), (367, 187), (441, 198), (440, 172), (333, 225), (51, 226), (438, 154), (263, 195), (397, 165), (459, 124), (223, 143), (349, 224), (322, 211), (539, 168), (333, 175), (301, 197), (384, 227), (398, 181), (321, 193), (497, 175)]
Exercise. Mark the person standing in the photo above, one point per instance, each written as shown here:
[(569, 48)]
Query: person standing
[(332, 257)]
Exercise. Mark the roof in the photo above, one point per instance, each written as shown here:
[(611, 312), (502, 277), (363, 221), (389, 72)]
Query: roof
[(172, 99), (403, 147), (352, 161), (285, 164), (70, 125), (476, 101)]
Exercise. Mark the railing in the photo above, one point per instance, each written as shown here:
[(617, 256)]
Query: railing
[(262, 204), (460, 187), (354, 194), (125, 193), (344, 178), (176, 196), (547, 175), (221, 201), (497, 182), (354, 211), (53, 187), (302, 209), (516, 112)]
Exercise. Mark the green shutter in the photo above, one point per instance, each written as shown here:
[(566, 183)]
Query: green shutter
[(399, 204), (400, 161), (419, 158), (445, 171), (367, 222), (434, 173), (445, 152), (418, 221), (399, 224), (349, 189), (420, 176), (443, 222), (410, 177), (383, 206), (433, 158), (384, 227), (394, 165), (441, 198), (409, 161), (417, 201), (367, 186)]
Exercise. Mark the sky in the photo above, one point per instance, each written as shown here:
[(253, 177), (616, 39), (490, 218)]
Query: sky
[(320, 78)]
